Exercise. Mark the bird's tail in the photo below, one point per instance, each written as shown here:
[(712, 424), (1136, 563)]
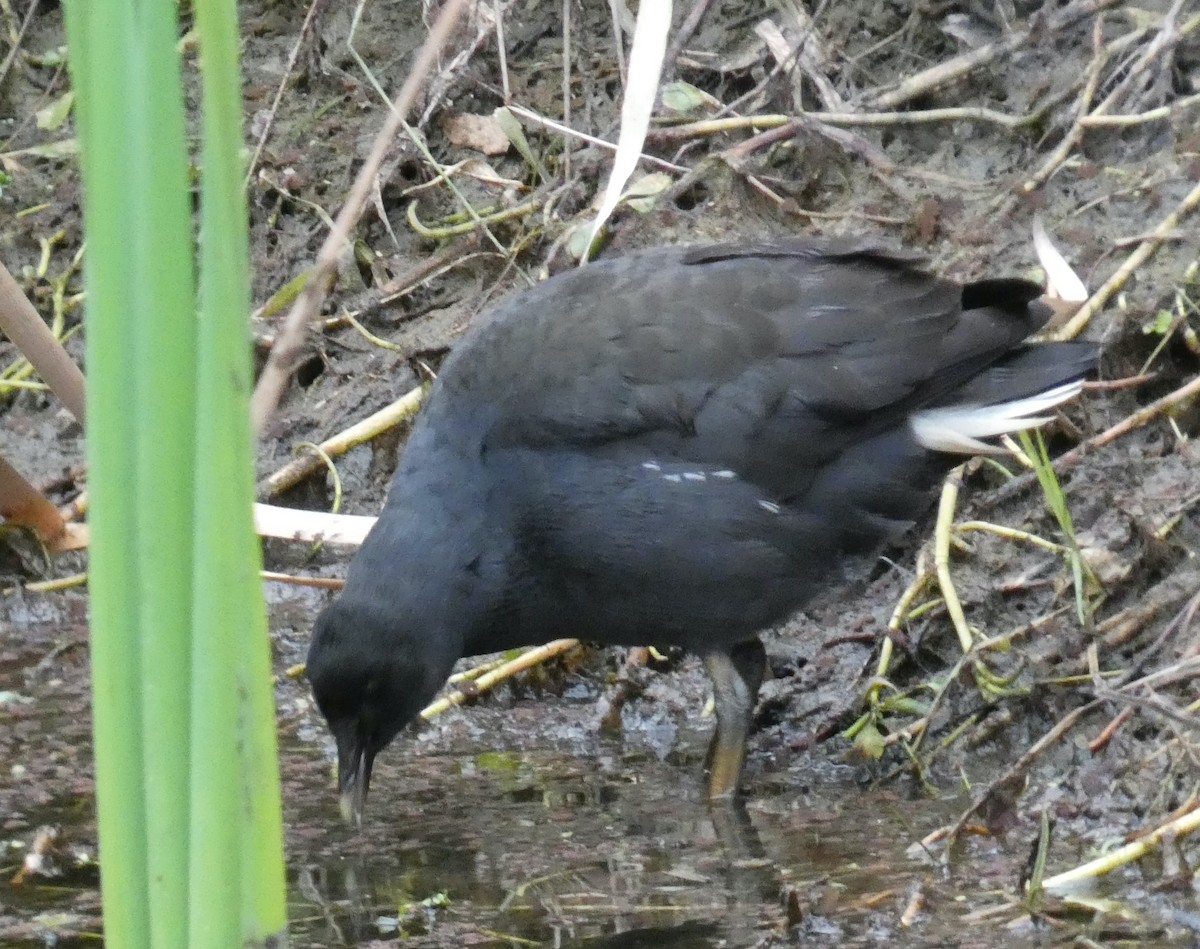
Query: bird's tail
[(1008, 397)]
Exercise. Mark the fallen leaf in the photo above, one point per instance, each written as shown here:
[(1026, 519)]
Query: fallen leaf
[(483, 133)]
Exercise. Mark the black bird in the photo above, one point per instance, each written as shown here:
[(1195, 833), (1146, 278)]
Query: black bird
[(676, 446)]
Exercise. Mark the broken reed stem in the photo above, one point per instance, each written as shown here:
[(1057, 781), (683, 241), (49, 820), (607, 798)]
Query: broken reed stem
[(284, 84), (900, 616), (48, 586), (1010, 533), (479, 221), (286, 523), (941, 557), (24, 326), (357, 434), (1071, 879), (527, 660)]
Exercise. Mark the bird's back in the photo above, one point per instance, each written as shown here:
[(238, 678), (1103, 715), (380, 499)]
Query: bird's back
[(676, 446)]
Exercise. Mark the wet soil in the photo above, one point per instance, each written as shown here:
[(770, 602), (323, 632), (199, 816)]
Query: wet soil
[(518, 820)]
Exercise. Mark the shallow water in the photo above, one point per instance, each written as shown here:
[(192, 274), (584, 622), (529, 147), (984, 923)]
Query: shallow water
[(549, 849), (519, 826), (563, 851)]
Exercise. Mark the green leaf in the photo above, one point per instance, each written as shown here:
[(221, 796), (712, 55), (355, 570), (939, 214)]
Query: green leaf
[(906, 704), (869, 742), (55, 114), (66, 148), (498, 761), (644, 191), (1160, 324), (684, 98), (511, 127)]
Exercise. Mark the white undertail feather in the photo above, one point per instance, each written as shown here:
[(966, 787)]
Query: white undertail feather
[(959, 428)]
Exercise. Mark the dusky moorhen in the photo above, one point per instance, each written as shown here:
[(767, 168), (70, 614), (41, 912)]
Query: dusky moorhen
[(677, 447)]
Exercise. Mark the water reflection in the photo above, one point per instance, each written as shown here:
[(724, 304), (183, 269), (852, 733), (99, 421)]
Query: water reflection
[(581, 842), (602, 851)]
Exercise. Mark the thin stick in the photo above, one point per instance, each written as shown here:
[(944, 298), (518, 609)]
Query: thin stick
[(1140, 118), (566, 77), (958, 67), (288, 350), (320, 583), (1061, 727), (618, 39), (1055, 159), (1143, 252), (502, 52), (531, 116), (17, 41), (732, 123), (690, 24), (294, 55), (1164, 40), (1137, 419)]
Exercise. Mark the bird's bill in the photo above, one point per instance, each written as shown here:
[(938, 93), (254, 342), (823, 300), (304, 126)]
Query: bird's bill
[(354, 778)]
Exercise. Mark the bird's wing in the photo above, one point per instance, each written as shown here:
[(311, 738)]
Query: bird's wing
[(766, 359)]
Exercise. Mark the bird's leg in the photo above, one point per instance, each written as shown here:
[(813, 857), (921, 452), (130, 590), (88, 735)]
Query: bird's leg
[(736, 676)]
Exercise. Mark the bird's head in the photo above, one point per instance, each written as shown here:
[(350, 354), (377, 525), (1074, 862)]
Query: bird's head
[(370, 678)]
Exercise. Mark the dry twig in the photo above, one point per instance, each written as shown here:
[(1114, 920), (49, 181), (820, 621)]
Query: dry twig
[(1142, 253), (960, 66), (1021, 765), (289, 347), (293, 56)]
